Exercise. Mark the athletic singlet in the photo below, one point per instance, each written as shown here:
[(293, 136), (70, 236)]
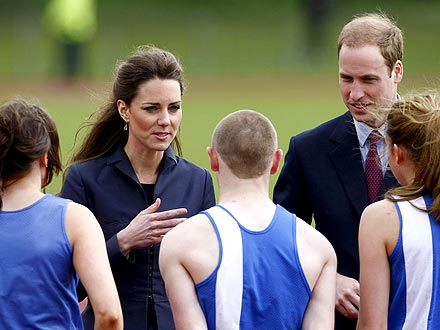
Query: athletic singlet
[(259, 283), (414, 262), (37, 278)]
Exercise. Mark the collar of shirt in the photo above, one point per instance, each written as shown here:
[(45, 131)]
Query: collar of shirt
[(363, 131)]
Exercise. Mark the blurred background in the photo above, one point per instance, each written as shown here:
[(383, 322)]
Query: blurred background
[(274, 56)]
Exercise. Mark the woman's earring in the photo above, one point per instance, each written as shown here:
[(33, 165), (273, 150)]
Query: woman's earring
[(126, 126)]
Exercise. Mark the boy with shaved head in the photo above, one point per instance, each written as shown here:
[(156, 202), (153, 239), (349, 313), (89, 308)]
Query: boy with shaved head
[(247, 263)]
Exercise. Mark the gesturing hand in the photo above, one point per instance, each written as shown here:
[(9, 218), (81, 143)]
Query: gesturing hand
[(148, 227)]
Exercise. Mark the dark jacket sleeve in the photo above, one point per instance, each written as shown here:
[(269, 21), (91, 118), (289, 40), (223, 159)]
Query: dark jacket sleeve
[(290, 189), (74, 188), (209, 196)]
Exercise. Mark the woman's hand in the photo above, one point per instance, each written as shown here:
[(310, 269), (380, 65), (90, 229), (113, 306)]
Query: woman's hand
[(148, 227)]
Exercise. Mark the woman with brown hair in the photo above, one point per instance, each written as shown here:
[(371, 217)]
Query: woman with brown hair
[(127, 173)]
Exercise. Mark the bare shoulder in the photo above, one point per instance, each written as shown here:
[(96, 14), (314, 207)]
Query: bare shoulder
[(192, 245), (379, 217), (192, 234), (80, 221), (76, 210), (195, 226), (313, 240), (380, 222), (375, 213), (316, 254)]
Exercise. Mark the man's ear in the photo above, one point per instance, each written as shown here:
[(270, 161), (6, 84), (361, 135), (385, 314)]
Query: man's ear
[(213, 159), (276, 161), (397, 71)]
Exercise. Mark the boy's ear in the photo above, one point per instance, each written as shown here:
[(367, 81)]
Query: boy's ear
[(276, 161), (213, 159)]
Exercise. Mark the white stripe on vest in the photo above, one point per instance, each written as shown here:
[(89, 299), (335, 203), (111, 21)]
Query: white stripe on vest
[(229, 286), (418, 254)]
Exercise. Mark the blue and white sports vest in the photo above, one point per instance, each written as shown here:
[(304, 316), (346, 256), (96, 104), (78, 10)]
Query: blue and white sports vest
[(414, 262), (259, 283), (37, 278)]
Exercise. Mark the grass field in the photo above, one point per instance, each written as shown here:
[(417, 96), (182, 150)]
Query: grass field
[(293, 103)]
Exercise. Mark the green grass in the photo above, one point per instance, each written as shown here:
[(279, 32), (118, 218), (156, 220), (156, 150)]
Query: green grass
[(243, 37)]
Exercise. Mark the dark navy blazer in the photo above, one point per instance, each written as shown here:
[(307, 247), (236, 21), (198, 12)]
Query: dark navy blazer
[(323, 177), (109, 187)]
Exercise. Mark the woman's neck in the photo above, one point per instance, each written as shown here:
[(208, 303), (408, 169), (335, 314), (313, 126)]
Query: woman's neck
[(145, 163)]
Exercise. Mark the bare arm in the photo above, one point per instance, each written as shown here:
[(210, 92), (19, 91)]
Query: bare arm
[(91, 263), (187, 313), (319, 265), (320, 310), (378, 224)]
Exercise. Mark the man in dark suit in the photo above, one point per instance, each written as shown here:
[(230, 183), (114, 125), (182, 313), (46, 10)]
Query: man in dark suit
[(324, 171)]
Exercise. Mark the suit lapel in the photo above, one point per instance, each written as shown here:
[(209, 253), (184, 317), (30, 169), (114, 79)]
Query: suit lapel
[(120, 160), (347, 159)]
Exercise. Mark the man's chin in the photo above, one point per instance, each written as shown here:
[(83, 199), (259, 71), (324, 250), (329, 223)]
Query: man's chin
[(371, 119)]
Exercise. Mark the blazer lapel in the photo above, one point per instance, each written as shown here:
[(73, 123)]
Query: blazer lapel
[(347, 159), (120, 160)]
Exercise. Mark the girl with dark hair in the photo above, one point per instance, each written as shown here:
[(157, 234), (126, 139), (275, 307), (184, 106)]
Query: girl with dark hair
[(45, 241)]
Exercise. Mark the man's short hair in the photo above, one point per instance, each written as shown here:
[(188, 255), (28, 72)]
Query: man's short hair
[(375, 29)]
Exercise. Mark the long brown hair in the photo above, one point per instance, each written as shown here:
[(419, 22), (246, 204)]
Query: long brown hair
[(27, 132), (415, 124), (107, 131)]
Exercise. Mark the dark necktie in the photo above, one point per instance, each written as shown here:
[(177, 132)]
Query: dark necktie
[(373, 168)]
